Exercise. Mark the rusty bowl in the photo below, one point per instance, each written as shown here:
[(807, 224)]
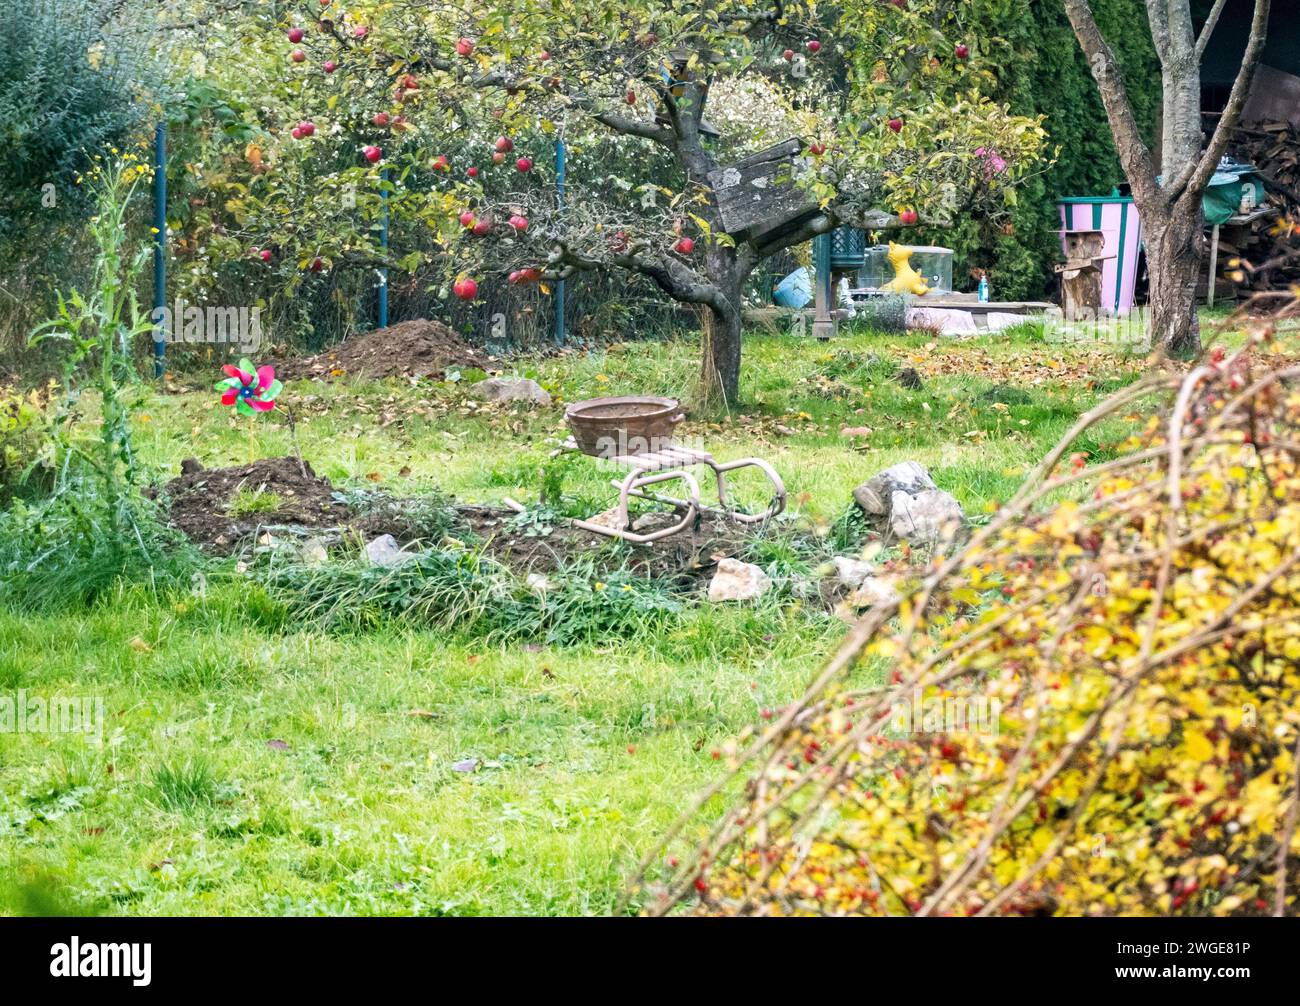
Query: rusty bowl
[(608, 427)]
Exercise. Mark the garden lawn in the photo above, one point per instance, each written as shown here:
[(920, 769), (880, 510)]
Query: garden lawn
[(253, 764)]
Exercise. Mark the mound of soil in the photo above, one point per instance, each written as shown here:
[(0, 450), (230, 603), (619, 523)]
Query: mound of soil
[(280, 495), (421, 348), (274, 490)]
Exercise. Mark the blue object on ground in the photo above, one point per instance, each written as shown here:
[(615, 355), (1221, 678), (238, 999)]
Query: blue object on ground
[(795, 290)]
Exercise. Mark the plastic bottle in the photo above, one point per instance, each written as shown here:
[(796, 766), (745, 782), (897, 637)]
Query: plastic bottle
[(984, 290)]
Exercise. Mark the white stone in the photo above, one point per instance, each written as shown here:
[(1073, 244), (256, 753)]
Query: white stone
[(313, 552), (851, 572), (873, 591), (738, 581), (904, 500), (511, 389), (907, 476), (383, 551), (930, 516)]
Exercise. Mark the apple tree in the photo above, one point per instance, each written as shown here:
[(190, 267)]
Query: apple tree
[(458, 103)]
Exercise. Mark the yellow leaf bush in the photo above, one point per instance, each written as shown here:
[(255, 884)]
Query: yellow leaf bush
[(1092, 707)]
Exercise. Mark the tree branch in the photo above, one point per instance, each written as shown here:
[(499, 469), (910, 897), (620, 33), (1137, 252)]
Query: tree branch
[(1198, 177), (1158, 19), (1133, 152), (1207, 29), (673, 277)]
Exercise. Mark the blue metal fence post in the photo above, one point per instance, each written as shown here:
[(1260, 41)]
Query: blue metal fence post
[(160, 246), (383, 243), (559, 196)]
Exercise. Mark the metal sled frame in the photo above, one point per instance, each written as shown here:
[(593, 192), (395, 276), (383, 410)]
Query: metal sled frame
[(667, 464)]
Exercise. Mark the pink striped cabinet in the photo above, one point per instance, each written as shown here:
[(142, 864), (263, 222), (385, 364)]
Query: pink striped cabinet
[(1117, 218)]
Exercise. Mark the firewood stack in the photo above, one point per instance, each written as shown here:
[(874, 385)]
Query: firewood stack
[(1265, 255)]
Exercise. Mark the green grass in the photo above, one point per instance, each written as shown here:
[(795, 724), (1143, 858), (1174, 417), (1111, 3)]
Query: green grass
[(256, 758)]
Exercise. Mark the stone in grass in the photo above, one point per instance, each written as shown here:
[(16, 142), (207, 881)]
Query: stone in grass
[(313, 552), (738, 581), (511, 389), (851, 572), (905, 500), (927, 517), (873, 592), (383, 551)]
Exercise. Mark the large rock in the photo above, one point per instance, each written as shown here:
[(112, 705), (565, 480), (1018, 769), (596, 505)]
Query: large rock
[(903, 502), (875, 494), (738, 581), (511, 389), (929, 516)]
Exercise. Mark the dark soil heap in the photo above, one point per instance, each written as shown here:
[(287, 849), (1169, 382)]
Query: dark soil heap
[(201, 499), (421, 348)]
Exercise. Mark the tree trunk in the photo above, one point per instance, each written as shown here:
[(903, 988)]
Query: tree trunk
[(720, 360), (720, 357), (1174, 262)]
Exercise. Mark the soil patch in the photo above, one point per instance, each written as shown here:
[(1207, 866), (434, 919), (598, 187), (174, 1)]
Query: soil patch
[(219, 507), (684, 556), (223, 509), (422, 348)]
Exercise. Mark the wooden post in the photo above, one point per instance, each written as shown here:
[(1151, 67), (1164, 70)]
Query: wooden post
[(824, 317), (1214, 265)]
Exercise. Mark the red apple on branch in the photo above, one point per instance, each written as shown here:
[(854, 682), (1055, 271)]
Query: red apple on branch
[(519, 222), (481, 228), (472, 172), (464, 46), (465, 288), (896, 125), (360, 31), (908, 217), (296, 35), (524, 164), (961, 51), (297, 55), (265, 254), (504, 144), (467, 219), (372, 153), (329, 66), (684, 246), (788, 55), (814, 46), (498, 158), (440, 163), (380, 119)]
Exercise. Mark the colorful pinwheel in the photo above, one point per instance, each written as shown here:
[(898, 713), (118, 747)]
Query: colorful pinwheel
[(249, 390)]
